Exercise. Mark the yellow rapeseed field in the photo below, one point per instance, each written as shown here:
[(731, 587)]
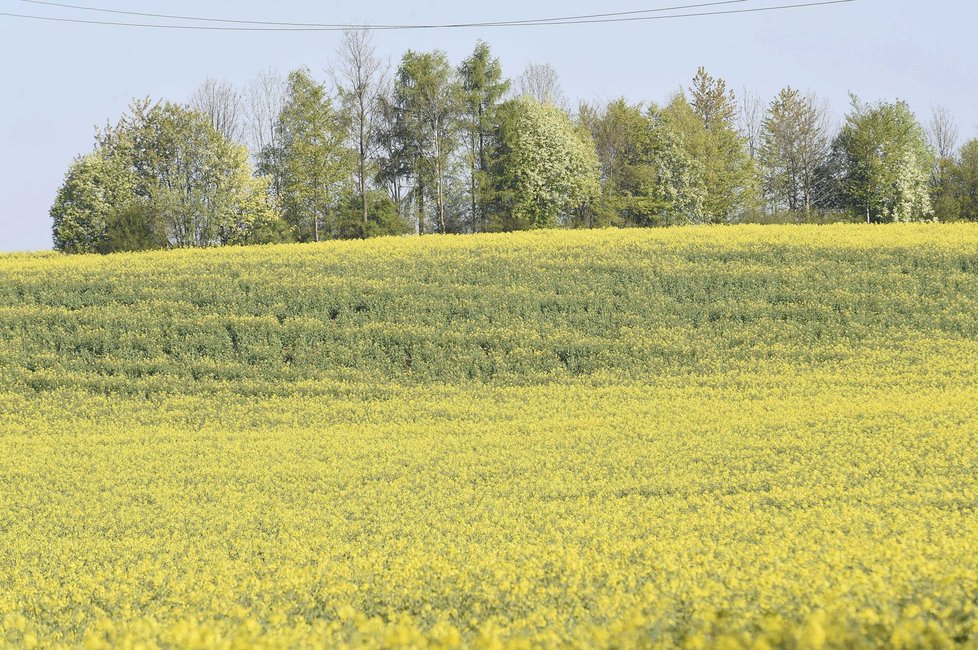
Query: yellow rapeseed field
[(730, 437)]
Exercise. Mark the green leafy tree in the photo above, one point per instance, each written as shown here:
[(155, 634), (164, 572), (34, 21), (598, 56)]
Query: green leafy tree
[(383, 217), (707, 130), (545, 167), (966, 174), (483, 87), (311, 161), (795, 150), (257, 218), (710, 99), (647, 176), (162, 176), (95, 186), (942, 137), (132, 227), (193, 178), (430, 103), (885, 162), (394, 155)]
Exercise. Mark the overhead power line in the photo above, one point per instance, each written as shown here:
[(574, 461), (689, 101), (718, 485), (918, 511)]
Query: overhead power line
[(534, 23), (272, 23)]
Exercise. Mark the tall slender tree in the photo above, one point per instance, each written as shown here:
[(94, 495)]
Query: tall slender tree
[(943, 136), (712, 101), (966, 173), (360, 76), (429, 98), (484, 87), (311, 160), (705, 124), (794, 152)]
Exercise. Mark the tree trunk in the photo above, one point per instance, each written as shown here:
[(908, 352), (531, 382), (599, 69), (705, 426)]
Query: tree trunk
[(420, 190), (363, 162), (475, 216)]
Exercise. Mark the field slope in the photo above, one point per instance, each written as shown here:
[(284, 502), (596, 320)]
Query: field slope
[(732, 437)]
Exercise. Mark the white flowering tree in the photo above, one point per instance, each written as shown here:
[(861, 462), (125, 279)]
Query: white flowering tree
[(885, 162), (546, 167)]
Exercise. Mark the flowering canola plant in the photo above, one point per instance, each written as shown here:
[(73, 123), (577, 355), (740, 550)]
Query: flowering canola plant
[(730, 437)]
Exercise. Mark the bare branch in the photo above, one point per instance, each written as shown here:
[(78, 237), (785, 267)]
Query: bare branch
[(222, 105), (265, 98), (942, 133), (541, 82)]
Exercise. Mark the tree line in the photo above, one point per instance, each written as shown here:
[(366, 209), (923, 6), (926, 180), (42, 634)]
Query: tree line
[(432, 147)]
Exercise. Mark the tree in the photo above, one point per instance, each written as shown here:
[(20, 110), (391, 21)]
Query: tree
[(707, 132), (942, 136), (712, 102), (966, 174), (750, 122), (361, 77), (132, 227), (541, 82), (885, 162), (393, 148), (223, 107), (161, 177), (193, 178), (310, 160), (647, 177), (483, 87), (265, 98), (546, 168), (94, 187), (795, 151), (429, 102)]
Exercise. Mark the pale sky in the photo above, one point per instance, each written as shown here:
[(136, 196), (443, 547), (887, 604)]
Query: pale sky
[(61, 80)]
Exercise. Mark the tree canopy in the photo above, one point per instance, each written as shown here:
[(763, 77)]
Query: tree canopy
[(546, 167)]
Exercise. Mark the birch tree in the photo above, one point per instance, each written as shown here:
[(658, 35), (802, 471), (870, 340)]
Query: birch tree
[(361, 76), (429, 98)]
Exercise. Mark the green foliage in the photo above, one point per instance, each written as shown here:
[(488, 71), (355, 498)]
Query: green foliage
[(429, 100), (310, 163), (383, 217), (946, 193), (258, 218), (712, 102), (483, 88), (453, 158), (161, 177), (132, 227), (648, 178), (885, 162), (95, 186), (710, 138), (966, 175), (545, 168), (795, 153)]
